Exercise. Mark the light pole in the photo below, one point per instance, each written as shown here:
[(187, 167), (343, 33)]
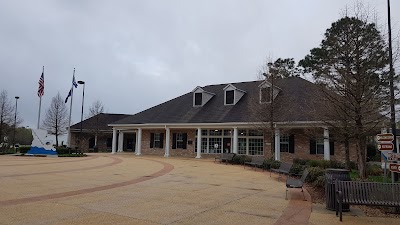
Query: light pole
[(83, 100), (15, 120)]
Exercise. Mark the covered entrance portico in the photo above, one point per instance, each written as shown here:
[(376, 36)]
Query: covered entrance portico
[(195, 140)]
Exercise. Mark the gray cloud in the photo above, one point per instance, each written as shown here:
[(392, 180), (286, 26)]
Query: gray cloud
[(136, 54)]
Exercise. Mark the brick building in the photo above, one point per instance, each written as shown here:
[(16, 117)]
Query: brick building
[(234, 118), (97, 133)]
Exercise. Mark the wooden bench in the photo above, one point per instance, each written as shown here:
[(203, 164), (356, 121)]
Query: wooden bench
[(225, 157), (366, 193), (255, 161), (296, 183), (284, 168)]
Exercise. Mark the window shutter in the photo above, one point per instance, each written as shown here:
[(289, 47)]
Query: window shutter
[(162, 140), (151, 140), (313, 146), (291, 143), (332, 147), (184, 140), (174, 141)]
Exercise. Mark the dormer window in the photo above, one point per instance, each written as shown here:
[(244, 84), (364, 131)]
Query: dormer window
[(201, 97), (229, 97), (198, 99), (232, 95), (265, 94)]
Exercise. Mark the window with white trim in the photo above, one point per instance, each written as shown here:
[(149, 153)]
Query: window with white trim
[(215, 145), (198, 99), (265, 94), (250, 142), (320, 145), (229, 97), (157, 140), (179, 140), (284, 143), (242, 148), (256, 146)]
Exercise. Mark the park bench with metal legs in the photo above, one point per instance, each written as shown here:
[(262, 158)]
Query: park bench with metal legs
[(227, 157), (296, 183), (366, 193), (284, 168), (255, 161)]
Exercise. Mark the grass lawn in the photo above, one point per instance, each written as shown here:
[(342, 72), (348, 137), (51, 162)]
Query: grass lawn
[(381, 179)]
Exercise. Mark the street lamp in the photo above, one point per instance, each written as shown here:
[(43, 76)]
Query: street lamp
[(83, 100), (15, 120)]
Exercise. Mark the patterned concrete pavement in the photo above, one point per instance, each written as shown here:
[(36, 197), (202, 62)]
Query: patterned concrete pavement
[(126, 189)]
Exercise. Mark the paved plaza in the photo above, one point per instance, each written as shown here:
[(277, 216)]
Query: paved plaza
[(127, 189)]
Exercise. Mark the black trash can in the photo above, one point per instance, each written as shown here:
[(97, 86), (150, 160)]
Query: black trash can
[(330, 191)]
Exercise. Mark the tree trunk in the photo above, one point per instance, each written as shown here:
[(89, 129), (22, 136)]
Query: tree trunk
[(347, 153), (362, 159), (57, 140), (272, 139)]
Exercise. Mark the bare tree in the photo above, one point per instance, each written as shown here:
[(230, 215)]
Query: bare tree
[(266, 108), (56, 120), (6, 115), (95, 110)]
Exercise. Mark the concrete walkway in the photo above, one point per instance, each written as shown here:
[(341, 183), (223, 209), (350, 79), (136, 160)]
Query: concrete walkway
[(126, 189)]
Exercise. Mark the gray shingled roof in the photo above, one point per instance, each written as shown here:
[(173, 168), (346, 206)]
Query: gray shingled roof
[(292, 103), (103, 120)]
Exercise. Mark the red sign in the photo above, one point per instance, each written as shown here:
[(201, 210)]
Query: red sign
[(385, 147), (384, 137), (394, 167)]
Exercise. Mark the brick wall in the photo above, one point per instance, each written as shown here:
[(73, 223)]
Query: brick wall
[(101, 141), (302, 149), (189, 152)]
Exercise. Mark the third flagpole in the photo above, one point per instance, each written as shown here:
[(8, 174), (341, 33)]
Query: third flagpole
[(70, 109)]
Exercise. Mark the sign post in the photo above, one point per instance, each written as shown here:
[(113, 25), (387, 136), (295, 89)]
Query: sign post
[(385, 145)]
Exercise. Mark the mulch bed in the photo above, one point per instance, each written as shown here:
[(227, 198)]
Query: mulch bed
[(318, 196)]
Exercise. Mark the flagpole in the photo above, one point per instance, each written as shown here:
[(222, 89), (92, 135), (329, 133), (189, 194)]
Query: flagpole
[(40, 104), (70, 110)]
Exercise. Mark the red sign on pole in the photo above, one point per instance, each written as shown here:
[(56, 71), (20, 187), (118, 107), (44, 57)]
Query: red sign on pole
[(384, 137), (394, 167), (385, 147)]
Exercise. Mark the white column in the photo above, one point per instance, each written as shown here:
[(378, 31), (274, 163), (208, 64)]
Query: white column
[(114, 141), (277, 144), (327, 153), (167, 137), (235, 140), (121, 142), (198, 156), (139, 142), (95, 140)]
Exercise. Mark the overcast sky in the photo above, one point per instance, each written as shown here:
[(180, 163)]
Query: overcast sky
[(137, 54)]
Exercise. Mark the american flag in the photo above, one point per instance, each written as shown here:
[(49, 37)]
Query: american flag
[(40, 92)]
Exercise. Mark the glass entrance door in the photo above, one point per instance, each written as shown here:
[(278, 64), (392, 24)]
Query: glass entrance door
[(227, 145)]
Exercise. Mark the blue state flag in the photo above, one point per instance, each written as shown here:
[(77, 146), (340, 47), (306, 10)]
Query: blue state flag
[(74, 82), (69, 95)]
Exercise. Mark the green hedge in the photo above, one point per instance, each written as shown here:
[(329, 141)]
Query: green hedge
[(314, 173), (24, 149), (374, 170), (240, 159)]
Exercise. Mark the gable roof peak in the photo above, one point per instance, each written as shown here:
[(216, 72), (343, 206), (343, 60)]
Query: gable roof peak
[(234, 87), (202, 90), (266, 82)]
